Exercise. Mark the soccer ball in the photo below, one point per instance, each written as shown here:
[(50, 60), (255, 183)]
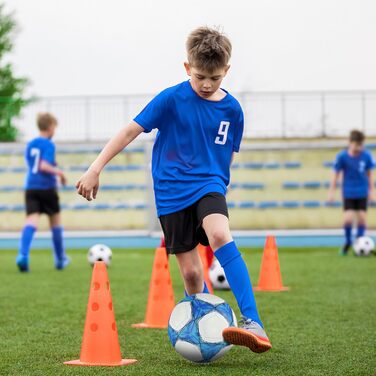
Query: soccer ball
[(364, 246), (195, 327), (99, 252), (218, 277)]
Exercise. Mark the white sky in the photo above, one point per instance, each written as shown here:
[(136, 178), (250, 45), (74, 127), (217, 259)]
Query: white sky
[(75, 47)]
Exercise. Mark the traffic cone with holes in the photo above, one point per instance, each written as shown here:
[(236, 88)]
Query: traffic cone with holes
[(161, 295), (270, 278), (203, 255), (100, 343)]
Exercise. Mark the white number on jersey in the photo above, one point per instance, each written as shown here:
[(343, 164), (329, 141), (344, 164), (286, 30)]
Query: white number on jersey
[(34, 152), (222, 133)]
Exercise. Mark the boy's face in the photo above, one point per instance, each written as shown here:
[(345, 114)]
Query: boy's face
[(355, 147), (51, 130), (205, 84)]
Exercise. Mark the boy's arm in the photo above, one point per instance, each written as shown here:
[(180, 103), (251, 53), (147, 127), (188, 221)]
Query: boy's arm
[(48, 168), (371, 187), (87, 186), (332, 186)]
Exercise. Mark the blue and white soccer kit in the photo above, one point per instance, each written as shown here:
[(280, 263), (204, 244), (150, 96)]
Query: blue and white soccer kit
[(193, 147)]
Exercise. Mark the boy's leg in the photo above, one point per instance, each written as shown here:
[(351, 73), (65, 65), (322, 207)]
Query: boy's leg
[(27, 235), (190, 266), (179, 229), (252, 335), (61, 260), (362, 223), (348, 218)]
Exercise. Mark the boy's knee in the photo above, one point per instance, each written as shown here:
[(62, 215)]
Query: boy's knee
[(191, 274), (218, 238)]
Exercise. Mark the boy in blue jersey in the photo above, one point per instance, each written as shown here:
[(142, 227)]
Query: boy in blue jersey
[(356, 164), (41, 193), (200, 126)]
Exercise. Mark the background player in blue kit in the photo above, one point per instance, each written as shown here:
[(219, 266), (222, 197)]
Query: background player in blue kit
[(41, 193), (356, 164), (199, 126)]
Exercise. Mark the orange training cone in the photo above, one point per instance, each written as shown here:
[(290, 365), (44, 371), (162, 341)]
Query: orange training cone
[(163, 243), (270, 278), (202, 252), (161, 295), (100, 343)]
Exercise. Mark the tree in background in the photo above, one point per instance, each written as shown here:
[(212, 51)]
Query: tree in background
[(11, 87)]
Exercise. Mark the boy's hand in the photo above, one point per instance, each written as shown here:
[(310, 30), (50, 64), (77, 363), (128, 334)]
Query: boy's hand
[(371, 196), (87, 186), (63, 179)]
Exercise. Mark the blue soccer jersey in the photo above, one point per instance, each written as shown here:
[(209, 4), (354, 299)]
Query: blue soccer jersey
[(193, 147), (37, 150), (355, 173)]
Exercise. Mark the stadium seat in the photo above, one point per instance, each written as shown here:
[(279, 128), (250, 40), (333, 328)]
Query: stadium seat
[(101, 206), (312, 184), (292, 164), (291, 185), (311, 204), (290, 204), (249, 186), (272, 165), (268, 204), (254, 165), (246, 204), (335, 204)]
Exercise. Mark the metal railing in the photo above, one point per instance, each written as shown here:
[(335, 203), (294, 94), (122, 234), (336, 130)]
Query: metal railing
[(267, 114)]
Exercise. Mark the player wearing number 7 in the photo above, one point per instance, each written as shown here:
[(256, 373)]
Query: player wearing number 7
[(200, 126), (41, 193)]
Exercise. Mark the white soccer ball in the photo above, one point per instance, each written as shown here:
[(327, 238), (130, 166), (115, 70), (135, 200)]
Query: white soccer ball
[(195, 327), (364, 246), (99, 252), (218, 277)]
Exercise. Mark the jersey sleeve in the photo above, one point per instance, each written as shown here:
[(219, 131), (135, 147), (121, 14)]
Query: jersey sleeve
[(48, 153), (154, 113), (239, 128), (338, 163), (371, 163)]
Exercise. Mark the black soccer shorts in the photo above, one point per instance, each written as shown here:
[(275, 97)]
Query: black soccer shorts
[(183, 229), (355, 204), (42, 201)]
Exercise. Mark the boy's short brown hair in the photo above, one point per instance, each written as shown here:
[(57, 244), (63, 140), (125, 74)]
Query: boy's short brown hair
[(208, 49), (357, 136), (45, 120)]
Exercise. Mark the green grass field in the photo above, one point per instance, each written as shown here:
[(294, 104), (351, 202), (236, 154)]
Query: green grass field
[(325, 325)]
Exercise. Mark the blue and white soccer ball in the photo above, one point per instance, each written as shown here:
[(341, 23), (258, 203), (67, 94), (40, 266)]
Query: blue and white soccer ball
[(195, 327), (364, 246), (99, 252)]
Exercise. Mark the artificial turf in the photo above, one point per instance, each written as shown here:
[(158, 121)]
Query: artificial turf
[(325, 324)]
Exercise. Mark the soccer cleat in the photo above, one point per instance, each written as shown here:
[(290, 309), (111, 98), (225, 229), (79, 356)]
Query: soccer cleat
[(62, 263), (249, 334), (344, 250), (22, 263)]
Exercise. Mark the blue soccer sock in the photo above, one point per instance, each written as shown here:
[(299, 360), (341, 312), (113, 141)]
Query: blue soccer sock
[(204, 290), (238, 278), (361, 231), (26, 239), (348, 230), (58, 242)]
